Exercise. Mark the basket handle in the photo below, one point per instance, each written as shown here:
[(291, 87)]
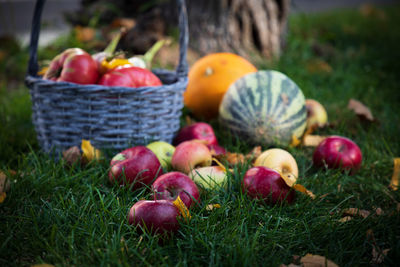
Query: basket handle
[(181, 70)]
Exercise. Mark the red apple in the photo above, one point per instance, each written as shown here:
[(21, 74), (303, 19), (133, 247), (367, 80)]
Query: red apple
[(198, 130), (264, 183), (190, 155), (216, 150), (173, 184), (129, 77), (137, 165), (158, 216), (73, 65), (337, 152)]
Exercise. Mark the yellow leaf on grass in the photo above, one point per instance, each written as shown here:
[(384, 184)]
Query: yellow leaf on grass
[(302, 189), (313, 140), (295, 141), (3, 196), (345, 219), (290, 180), (182, 208), (89, 152), (213, 206), (360, 110), (394, 183), (42, 265), (311, 260)]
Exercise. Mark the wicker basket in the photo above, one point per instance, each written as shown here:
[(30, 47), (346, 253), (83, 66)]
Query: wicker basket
[(110, 117)]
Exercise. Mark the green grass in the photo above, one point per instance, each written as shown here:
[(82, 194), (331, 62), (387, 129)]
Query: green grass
[(72, 216)]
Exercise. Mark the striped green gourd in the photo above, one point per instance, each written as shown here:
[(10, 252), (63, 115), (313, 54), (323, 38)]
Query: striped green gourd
[(265, 108)]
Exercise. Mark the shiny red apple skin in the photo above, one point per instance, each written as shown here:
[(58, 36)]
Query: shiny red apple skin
[(217, 150), (173, 184), (198, 130), (73, 65), (189, 155), (266, 184), (338, 152), (158, 216), (138, 165), (129, 77)]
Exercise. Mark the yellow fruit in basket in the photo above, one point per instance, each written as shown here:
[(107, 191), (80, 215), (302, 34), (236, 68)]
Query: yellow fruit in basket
[(209, 79)]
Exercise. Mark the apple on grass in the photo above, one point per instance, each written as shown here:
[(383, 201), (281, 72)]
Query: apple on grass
[(266, 184), (173, 184), (163, 151), (210, 177), (199, 130), (155, 216), (137, 166), (316, 114), (279, 160), (189, 155), (216, 150), (338, 152)]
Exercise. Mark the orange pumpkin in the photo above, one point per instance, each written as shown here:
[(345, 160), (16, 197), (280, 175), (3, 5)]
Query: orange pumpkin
[(209, 79)]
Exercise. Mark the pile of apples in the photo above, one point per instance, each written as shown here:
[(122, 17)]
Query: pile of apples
[(191, 161), (77, 66)]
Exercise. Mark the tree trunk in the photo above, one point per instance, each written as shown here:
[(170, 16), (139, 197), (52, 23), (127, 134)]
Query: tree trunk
[(246, 27), (241, 26)]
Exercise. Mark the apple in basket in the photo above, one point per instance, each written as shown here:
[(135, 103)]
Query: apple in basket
[(155, 216), (129, 77), (173, 184), (73, 65), (266, 184), (137, 166)]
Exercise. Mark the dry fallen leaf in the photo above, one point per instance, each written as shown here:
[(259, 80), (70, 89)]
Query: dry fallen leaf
[(4, 182), (302, 189), (378, 254), (72, 155), (313, 140), (239, 158), (213, 206), (318, 66), (360, 110), (356, 212), (345, 219), (42, 265), (310, 260), (394, 183)]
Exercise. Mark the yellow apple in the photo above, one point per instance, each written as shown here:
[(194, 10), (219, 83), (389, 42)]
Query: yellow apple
[(279, 160), (209, 177), (163, 151), (316, 114)]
